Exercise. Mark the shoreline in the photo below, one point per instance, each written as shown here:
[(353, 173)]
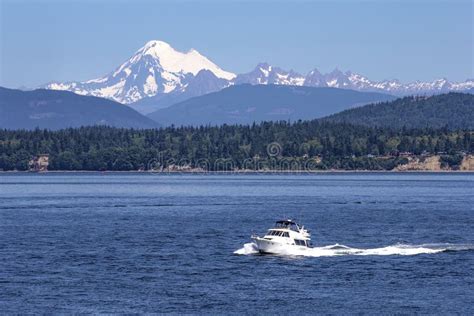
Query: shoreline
[(413, 164), (234, 172)]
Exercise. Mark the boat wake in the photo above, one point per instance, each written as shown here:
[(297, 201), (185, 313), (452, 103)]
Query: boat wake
[(341, 250)]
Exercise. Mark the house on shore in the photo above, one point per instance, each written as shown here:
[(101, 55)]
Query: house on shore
[(39, 163)]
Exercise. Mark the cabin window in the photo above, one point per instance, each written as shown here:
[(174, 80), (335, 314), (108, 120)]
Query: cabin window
[(285, 234), (300, 242)]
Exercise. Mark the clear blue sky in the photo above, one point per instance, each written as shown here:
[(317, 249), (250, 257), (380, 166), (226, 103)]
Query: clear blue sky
[(42, 41)]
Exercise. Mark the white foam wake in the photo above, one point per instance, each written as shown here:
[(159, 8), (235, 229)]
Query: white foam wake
[(341, 250)]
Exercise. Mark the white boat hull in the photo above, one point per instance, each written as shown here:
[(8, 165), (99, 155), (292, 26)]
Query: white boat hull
[(273, 247)]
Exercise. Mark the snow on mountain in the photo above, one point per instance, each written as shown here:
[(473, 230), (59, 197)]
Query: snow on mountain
[(157, 75), (315, 79), (173, 61), (460, 86), (156, 68), (267, 74), (204, 82)]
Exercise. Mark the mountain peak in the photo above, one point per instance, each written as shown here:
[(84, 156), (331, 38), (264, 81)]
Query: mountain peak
[(155, 48), (336, 72), (314, 72), (263, 65), (156, 43), (174, 61)]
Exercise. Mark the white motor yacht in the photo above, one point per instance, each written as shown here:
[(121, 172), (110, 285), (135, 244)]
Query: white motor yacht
[(287, 235)]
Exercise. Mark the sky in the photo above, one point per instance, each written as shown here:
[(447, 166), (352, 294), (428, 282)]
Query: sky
[(43, 41)]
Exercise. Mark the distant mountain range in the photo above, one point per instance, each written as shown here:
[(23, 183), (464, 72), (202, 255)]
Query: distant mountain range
[(179, 88), (267, 74), (157, 76), (246, 104), (63, 109), (239, 104), (452, 110)]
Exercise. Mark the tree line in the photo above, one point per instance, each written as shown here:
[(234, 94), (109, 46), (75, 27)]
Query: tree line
[(268, 145), (452, 110)]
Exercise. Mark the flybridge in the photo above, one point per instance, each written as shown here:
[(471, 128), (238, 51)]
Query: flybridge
[(287, 224)]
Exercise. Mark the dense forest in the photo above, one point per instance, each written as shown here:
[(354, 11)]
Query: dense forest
[(452, 110), (269, 145)]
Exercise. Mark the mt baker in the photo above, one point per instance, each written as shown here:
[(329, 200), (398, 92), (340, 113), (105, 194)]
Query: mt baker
[(157, 76)]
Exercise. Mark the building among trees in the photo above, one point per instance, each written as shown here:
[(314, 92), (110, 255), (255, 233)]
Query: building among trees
[(39, 163)]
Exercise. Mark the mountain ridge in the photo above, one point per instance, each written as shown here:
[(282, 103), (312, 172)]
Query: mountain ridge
[(54, 110), (158, 75), (452, 110), (246, 104)]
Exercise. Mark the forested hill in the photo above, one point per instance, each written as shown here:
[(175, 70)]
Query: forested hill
[(62, 109), (454, 110), (245, 104), (270, 145)]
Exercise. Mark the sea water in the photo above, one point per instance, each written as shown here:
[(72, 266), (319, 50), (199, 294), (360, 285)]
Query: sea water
[(385, 243)]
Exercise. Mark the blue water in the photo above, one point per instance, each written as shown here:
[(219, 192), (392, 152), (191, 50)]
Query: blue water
[(142, 243)]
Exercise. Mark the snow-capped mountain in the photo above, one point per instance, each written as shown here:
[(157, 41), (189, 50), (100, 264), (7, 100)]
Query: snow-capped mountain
[(157, 76), (267, 74), (155, 69)]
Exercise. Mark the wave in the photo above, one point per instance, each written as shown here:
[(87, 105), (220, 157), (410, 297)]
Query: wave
[(342, 250)]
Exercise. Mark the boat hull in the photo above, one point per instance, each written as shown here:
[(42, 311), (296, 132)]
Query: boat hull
[(266, 246)]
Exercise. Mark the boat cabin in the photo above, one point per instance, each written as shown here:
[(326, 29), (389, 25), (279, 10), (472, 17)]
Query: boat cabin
[(294, 238)]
